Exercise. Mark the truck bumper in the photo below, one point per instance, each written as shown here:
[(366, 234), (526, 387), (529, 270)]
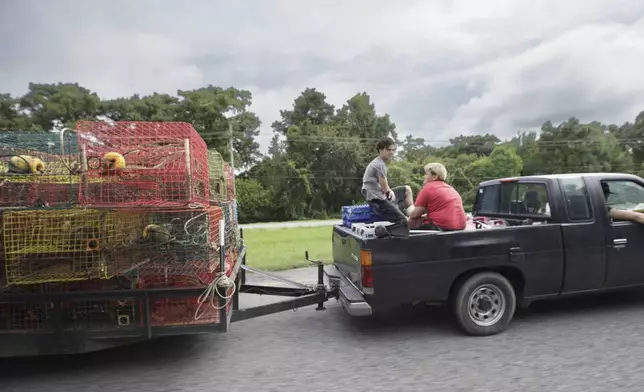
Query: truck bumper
[(349, 297)]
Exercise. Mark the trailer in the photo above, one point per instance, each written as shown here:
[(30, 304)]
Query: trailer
[(115, 324), (116, 233)]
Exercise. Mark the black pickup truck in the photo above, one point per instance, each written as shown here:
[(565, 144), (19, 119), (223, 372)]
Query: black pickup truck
[(534, 237)]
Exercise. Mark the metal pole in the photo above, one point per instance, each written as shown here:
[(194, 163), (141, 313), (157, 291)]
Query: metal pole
[(232, 153), (223, 312), (230, 143)]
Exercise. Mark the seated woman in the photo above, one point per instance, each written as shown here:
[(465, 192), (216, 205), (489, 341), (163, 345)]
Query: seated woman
[(441, 202)]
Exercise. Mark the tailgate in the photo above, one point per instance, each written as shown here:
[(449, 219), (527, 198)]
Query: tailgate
[(346, 253)]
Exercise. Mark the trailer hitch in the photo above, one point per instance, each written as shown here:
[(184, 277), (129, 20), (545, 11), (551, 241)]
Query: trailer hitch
[(302, 294), (320, 286)]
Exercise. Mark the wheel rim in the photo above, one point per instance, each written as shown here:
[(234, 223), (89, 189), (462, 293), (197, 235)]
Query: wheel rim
[(486, 305)]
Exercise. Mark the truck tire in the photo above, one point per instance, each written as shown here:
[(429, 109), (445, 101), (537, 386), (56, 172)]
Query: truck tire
[(484, 304)]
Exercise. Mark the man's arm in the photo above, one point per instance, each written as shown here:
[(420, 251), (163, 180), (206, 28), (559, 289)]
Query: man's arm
[(623, 215), (382, 179), (419, 205), (417, 212), (384, 184)]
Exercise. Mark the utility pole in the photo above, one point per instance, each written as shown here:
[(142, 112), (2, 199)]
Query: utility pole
[(232, 153), (230, 144)]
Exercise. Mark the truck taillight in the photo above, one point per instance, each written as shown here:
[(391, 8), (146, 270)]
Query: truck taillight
[(366, 268), (367, 277)]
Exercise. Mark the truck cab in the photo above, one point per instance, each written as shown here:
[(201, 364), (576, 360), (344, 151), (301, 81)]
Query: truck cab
[(556, 239), (597, 251)]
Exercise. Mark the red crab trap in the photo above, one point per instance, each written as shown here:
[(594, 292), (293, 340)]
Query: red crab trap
[(39, 169), (142, 164), (205, 309)]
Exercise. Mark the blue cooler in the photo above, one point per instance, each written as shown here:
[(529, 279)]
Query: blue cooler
[(360, 213)]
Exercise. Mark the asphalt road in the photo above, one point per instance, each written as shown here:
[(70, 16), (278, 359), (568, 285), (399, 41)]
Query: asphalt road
[(587, 344)]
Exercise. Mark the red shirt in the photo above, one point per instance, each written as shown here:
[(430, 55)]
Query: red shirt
[(443, 204)]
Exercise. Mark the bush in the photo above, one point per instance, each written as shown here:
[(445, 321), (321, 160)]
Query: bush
[(255, 202)]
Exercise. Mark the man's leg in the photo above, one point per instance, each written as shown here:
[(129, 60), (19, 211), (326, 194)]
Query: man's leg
[(404, 197), (387, 210)]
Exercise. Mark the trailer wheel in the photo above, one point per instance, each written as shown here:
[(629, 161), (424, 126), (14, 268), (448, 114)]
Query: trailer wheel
[(484, 304)]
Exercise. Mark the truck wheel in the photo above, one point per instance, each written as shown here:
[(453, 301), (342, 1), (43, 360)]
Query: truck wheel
[(484, 304)]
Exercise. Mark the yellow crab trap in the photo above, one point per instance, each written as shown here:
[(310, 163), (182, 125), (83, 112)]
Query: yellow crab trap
[(39, 169), (230, 235), (42, 246), (163, 244), (217, 178)]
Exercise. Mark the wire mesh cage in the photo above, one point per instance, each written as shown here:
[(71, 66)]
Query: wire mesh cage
[(191, 311), (19, 317), (218, 183), (230, 226), (215, 164), (38, 169), (236, 223), (58, 245), (100, 314), (158, 243), (229, 174), (143, 164)]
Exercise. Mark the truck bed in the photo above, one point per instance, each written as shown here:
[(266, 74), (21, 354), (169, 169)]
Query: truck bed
[(424, 266)]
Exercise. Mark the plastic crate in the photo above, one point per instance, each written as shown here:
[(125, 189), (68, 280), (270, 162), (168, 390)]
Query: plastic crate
[(368, 230), (361, 213)]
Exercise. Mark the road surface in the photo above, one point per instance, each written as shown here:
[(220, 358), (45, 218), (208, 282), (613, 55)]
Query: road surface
[(589, 344)]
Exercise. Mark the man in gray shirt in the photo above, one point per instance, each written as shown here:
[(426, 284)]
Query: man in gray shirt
[(387, 202)]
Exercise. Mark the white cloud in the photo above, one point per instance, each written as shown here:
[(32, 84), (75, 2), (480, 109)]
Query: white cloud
[(440, 68)]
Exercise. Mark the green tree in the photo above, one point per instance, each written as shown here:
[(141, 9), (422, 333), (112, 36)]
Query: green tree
[(66, 103), (255, 202)]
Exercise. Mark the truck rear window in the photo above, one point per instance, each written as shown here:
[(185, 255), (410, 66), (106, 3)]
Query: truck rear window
[(514, 198), (578, 205)]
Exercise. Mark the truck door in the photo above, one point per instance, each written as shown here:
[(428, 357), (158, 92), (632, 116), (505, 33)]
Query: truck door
[(624, 240), (583, 238)]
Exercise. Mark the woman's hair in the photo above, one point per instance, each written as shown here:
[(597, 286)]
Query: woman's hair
[(384, 142), (436, 169)]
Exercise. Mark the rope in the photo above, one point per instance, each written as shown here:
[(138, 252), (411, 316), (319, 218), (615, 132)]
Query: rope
[(211, 290)]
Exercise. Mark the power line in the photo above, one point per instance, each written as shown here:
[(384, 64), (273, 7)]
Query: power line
[(320, 139)]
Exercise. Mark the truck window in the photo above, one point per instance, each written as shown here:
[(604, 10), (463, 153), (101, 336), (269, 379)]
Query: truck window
[(487, 200), (625, 194), (578, 205), (525, 199), (514, 199)]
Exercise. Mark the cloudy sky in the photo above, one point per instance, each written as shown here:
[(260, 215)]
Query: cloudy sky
[(439, 67)]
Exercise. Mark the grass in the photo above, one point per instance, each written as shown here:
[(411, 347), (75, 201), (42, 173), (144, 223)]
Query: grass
[(283, 249)]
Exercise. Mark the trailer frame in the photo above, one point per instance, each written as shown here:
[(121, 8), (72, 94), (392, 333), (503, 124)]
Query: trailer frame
[(55, 340)]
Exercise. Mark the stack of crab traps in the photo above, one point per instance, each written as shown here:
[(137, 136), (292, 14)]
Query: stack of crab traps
[(124, 205)]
